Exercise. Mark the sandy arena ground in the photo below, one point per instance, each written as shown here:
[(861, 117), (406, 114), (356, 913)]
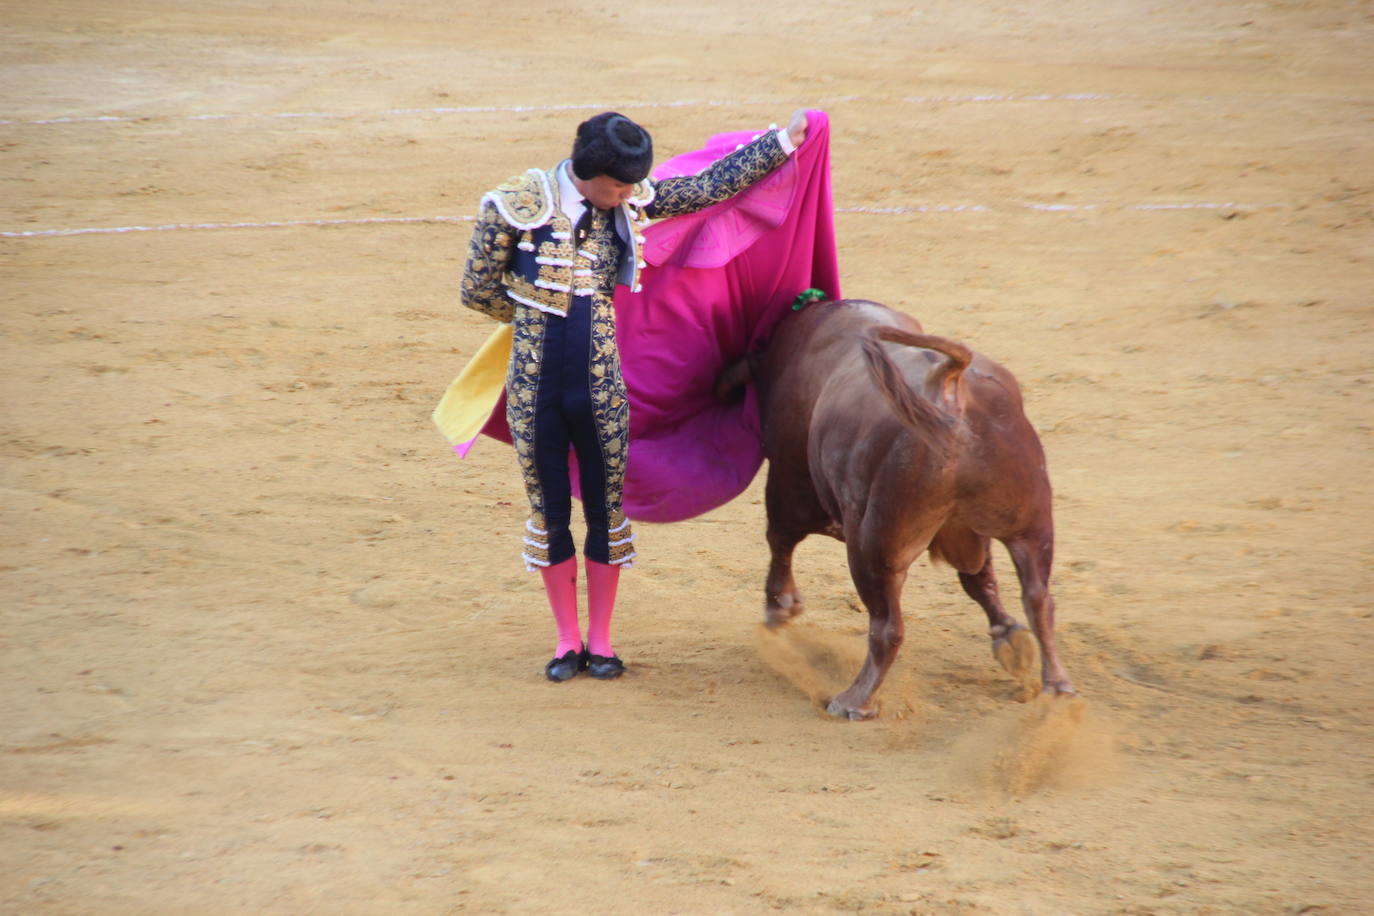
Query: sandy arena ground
[(266, 644)]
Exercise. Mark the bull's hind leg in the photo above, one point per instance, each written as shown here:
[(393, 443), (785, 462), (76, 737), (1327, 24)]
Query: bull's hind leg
[(1012, 645), (881, 592), (1033, 555)]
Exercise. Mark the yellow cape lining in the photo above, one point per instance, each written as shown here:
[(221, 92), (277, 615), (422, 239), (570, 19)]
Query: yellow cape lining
[(471, 397)]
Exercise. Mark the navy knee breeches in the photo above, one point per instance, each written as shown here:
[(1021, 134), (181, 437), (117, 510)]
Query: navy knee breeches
[(564, 418)]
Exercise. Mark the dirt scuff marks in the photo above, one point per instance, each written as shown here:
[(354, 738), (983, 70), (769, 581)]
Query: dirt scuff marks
[(817, 662), (1050, 743)]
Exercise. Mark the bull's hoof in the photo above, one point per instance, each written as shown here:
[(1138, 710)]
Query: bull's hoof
[(842, 710), (1016, 651), (782, 609), (1019, 655)]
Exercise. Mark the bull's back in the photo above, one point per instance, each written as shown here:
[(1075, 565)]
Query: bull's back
[(810, 348)]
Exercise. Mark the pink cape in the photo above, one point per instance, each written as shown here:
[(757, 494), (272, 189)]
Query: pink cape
[(717, 283)]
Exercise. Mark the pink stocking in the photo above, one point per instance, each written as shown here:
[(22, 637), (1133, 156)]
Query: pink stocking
[(560, 584), (602, 579)]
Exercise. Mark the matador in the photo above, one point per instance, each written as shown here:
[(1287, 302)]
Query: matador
[(547, 252)]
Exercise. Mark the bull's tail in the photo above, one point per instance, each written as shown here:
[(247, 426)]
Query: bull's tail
[(936, 418)]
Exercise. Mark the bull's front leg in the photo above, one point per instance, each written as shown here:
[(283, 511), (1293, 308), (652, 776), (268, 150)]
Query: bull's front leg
[(782, 601), (793, 513), (881, 592)]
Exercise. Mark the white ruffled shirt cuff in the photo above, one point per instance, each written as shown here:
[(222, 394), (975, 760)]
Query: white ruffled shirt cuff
[(784, 140)]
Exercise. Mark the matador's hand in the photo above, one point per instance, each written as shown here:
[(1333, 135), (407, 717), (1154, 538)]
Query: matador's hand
[(796, 131)]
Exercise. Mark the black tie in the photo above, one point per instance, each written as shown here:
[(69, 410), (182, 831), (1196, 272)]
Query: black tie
[(584, 224)]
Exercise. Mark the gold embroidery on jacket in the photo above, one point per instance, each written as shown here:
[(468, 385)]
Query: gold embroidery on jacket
[(552, 298), (525, 201), (722, 179), (489, 253)]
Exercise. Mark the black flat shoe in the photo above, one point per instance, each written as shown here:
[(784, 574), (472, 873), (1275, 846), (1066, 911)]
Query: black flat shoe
[(566, 666), (604, 668)]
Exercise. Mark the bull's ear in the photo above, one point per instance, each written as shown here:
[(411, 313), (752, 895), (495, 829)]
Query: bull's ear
[(732, 379)]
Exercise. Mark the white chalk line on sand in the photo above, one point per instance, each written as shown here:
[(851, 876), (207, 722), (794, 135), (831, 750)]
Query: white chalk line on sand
[(1058, 208), (384, 220), (274, 224), (518, 109)]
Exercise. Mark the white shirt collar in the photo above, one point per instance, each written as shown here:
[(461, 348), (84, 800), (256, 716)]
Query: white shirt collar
[(569, 198)]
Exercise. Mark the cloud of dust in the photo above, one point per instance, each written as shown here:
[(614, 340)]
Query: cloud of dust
[(1052, 742), (818, 663)]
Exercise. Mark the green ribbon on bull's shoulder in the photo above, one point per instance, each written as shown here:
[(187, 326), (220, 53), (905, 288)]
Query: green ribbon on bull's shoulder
[(808, 296)]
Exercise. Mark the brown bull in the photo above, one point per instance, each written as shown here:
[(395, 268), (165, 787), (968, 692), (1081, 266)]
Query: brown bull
[(897, 442)]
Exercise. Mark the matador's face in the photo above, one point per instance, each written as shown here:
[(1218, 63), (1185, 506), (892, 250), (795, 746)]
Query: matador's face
[(603, 191)]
